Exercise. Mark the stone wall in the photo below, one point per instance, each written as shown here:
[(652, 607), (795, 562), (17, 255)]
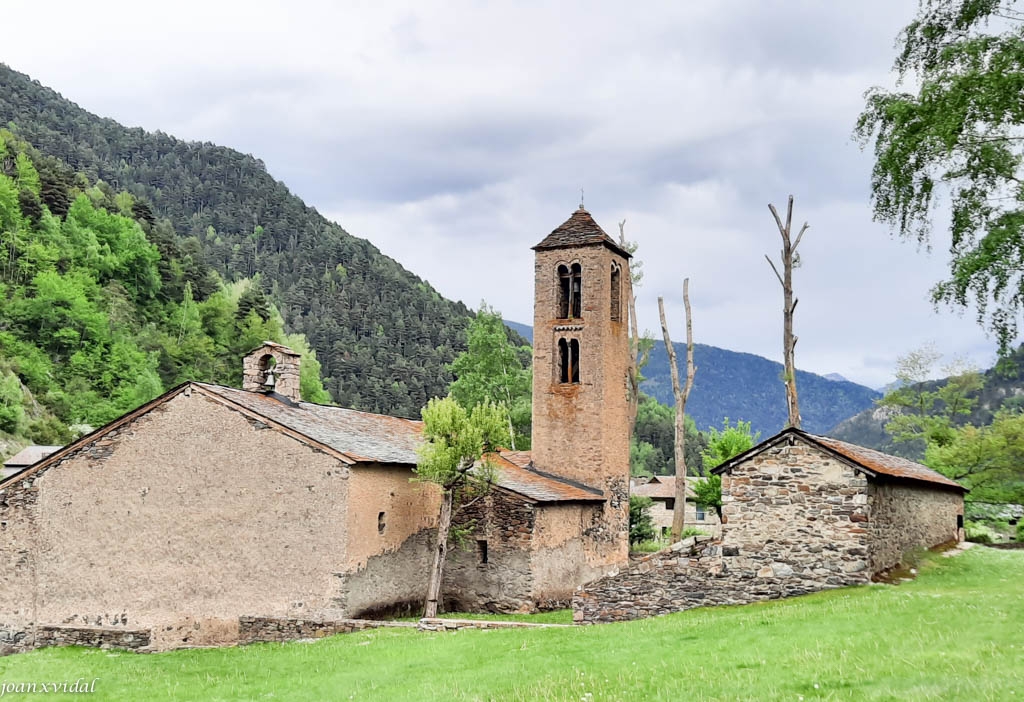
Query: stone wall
[(281, 629), (173, 522), (794, 509), (503, 525), (93, 637), (909, 516), (390, 536), (692, 573)]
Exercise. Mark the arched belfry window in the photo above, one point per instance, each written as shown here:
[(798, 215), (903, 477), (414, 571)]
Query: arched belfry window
[(568, 361), (268, 374), (616, 293), (570, 288)]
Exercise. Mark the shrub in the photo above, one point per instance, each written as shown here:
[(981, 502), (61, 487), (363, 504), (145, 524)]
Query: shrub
[(641, 528), (692, 531), (1020, 530), (979, 533)]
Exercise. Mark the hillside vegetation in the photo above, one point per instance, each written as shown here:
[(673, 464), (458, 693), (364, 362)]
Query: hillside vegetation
[(383, 335), (1002, 387), (102, 307), (956, 633)]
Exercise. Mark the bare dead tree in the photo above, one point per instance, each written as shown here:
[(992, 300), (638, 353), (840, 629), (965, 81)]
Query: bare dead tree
[(789, 256), (638, 351), (681, 395)]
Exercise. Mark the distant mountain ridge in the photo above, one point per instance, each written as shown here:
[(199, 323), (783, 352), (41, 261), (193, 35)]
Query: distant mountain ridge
[(744, 386), (383, 335)]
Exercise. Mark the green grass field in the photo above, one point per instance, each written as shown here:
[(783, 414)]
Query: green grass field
[(956, 633)]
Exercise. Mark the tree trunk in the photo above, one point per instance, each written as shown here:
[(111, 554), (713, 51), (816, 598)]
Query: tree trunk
[(444, 524), (633, 371), (788, 307), (681, 395)]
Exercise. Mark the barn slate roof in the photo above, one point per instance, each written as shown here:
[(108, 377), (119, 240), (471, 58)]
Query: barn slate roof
[(664, 487), (874, 463), (29, 455), (350, 435), (580, 229)]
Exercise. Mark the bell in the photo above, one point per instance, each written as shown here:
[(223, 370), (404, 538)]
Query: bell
[(270, 381)]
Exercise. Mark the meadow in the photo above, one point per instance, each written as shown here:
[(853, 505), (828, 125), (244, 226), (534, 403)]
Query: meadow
[(954, 633)]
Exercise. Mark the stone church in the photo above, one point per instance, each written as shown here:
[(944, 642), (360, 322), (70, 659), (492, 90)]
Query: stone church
[(211, 503)]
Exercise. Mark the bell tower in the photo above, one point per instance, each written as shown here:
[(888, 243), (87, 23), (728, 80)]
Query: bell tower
[(580, 365)]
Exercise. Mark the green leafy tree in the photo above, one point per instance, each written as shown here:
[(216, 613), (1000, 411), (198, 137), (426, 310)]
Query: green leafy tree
[(958, 132), (731, 441), (641, 526), (708, 492), (926, 412), (491, 369), (453, 456), (653, 444), (988, 460)]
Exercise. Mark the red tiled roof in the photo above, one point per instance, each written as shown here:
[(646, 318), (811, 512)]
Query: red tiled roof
[(885, 464), (875, 463), (514, 471), (664, 487), (579, 229)]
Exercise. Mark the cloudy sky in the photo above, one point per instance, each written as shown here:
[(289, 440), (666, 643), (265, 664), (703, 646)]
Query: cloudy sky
[(455, 135)]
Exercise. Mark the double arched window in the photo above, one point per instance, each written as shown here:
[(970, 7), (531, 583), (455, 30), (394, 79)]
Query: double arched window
[(570, 289), (568, 361)]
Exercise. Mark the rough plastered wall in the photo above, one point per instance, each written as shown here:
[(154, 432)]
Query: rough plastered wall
[(183, 520), (906, 516), (504, 521), (391, 532), (661, 516), (563, 554), (793, 511), (580, 431), (18, 555)]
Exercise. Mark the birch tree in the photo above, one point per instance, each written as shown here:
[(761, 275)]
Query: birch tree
[(789, 260), (454, 457), (681, 393)]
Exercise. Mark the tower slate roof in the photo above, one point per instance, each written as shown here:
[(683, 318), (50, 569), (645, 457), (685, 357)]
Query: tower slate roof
[(579, 230)]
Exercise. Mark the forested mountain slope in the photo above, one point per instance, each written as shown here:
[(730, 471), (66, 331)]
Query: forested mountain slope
[(97, 311), (1002, 387), (383, 335)]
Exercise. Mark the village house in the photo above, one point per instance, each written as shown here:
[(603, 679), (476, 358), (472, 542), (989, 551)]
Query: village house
[(662, 491), (30, 455), (800, 513), (212, 505)]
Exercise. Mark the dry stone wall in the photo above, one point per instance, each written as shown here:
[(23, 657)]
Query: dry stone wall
[(693, 573), (905, 517), (794, 509)]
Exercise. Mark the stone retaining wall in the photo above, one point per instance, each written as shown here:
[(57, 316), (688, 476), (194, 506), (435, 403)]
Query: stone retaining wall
[(94, 637), (692, 573), (265, 629)]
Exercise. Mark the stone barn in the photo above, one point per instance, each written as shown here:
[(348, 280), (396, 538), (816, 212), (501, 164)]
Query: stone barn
[(211, 506), (800, 513)]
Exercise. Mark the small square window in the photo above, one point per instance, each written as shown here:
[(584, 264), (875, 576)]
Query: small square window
[(670, 504), (701, 515)]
